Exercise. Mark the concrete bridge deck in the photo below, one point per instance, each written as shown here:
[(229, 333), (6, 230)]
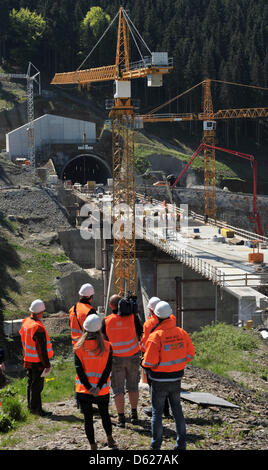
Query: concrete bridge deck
[(200, 247)]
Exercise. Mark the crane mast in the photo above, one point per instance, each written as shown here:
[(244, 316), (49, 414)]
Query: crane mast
[(209, 138), (123, 127), (122, 116)]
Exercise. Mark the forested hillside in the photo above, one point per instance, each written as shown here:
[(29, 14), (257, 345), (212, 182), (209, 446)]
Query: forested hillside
[(219, 39)]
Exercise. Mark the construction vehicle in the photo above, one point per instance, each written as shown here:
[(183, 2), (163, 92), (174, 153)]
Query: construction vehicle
[(209, 118), (254, 217), (124, 122)]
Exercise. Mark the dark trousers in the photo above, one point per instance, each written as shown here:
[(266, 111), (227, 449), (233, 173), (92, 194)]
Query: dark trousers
[(160, 391), (166, 405), (35, 386), (86, 401)]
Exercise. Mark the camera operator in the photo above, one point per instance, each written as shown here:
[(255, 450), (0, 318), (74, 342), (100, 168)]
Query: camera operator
[(123, 329)]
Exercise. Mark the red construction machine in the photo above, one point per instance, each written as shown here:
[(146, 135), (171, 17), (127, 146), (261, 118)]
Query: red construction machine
[(254, 216)]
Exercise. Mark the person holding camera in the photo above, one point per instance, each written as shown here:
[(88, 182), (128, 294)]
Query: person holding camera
[(123, 330)]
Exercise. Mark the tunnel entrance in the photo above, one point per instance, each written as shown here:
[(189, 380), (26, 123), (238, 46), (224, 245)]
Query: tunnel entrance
[(85, 168)]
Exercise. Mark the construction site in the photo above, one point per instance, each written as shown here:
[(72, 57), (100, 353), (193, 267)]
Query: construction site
[(75, 210)]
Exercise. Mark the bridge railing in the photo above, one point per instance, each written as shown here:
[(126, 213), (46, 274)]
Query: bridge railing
[(207, 270), (238, 231), (171, 246)]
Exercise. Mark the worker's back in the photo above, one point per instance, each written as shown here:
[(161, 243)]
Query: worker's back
[(121, 332)]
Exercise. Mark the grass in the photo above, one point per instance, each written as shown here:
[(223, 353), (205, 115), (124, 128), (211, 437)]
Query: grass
[(9, 97), (146, 147), (11, 92), (221, 348), (59, 385), (35, 275)]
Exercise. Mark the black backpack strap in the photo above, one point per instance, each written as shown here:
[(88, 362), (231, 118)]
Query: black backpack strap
[(75, 312), (155, 326)]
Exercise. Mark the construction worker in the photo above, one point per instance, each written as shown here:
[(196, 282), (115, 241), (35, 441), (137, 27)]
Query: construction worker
[(38, 351), (150, 325), (123, 332), (167, 351), (80, 311), (93, 364), (150, 322)]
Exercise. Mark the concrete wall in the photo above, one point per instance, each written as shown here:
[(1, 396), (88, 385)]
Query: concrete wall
[(157, 277), (77, 249), (68, 287), (49, 129)]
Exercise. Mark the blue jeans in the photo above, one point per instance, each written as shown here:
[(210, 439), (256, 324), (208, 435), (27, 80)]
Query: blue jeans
[(159, 392)]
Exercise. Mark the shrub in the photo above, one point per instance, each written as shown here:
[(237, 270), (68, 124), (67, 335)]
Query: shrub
[(6, 422), (8, 391), (14, 408), (220, 348)]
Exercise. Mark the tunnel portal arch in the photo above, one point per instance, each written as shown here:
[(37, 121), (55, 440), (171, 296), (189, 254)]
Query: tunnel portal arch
[(86, 167)]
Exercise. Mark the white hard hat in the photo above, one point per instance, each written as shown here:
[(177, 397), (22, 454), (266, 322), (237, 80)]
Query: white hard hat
[(163, 310), (92, 323), (152, 302), (37, 306), (86, 290)]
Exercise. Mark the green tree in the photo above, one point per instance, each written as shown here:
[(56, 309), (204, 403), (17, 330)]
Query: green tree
[(91, 28), (27, 28), (96, 19)]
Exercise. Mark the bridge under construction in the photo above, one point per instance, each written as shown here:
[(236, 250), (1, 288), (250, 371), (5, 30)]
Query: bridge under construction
[(209, 271)]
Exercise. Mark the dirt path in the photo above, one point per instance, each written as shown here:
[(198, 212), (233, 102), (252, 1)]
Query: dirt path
[(208, 428)]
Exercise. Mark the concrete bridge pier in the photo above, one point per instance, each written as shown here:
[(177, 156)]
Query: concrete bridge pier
[(195, 300)]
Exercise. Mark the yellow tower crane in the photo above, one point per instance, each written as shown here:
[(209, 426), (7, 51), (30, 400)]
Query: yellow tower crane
[(122, 115), (209, 118)]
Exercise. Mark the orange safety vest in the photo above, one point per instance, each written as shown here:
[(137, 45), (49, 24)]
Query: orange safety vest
[(93, 366), (149, 326), (122, 335), (168, 349), (27, 331), (77, 316)]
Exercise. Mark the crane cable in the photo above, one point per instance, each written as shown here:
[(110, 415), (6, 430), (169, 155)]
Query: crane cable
[(129, 23), (240, 84), (173, 99), (195, 86), (130, 29), (127, 18), (98, 41)]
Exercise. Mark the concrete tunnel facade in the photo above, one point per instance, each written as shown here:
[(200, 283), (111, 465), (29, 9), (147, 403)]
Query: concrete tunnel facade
[(86, 167)]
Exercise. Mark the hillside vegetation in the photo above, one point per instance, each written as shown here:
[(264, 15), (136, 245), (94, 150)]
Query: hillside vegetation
[(218, 39), (210, 428)]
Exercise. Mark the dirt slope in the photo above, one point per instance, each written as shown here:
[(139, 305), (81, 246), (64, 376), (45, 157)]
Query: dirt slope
[(208, 428)]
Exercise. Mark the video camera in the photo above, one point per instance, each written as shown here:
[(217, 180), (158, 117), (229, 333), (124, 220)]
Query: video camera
[(128, 305)]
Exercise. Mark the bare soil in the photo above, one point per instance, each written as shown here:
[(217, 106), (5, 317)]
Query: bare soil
[(208, 427)]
